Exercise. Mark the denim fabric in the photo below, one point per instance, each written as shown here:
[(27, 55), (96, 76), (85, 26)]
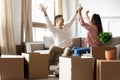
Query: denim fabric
[(79, 51)]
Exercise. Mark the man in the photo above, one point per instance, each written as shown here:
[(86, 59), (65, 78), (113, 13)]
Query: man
[(61, 36)]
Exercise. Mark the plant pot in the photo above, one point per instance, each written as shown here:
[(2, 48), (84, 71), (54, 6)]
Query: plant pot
[(109, 54)]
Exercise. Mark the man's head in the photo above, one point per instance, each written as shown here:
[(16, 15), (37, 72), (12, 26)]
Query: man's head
[(59, 20)]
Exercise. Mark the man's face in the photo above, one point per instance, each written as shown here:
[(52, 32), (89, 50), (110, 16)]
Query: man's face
[(61, 21)]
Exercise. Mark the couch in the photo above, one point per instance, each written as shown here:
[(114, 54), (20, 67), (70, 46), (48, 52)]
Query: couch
[(42, 47)]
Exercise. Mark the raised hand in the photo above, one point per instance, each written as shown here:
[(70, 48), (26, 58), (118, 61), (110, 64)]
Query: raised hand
[(80, 8), (87, 12), (43, 9), (88, 18)]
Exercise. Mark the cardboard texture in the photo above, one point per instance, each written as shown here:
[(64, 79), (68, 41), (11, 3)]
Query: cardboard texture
[(36, 65), (11, 67), (76, 68), (108, 69), (99, 52)]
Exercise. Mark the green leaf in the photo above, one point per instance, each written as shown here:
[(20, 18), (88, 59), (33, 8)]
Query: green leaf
[(105, 37)]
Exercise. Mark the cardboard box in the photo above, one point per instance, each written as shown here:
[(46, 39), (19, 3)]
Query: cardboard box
[(99, 52), (11, 67), (108, 69), (76, 68), (36, 65)]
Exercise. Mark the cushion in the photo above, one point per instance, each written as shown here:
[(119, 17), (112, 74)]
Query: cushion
[(83, 44), (41, 51), (31, 46), (48, 41), (118, 51), (76, 41), (113, 42)]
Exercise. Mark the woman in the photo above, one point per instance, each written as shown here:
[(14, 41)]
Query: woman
[(93, 27)]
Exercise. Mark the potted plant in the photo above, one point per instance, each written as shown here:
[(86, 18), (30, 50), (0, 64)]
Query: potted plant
[(105, 37), (109, 54)]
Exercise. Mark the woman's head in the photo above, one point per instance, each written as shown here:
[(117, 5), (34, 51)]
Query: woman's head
[(96, 20)]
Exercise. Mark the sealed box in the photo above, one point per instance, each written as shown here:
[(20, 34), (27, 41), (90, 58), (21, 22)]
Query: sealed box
[(36, 65), (76, 68), (108, 69), (11, 67), (99, 52)]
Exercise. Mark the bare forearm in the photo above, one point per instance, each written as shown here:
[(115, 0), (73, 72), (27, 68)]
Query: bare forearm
[(45, 14), (80, 16)]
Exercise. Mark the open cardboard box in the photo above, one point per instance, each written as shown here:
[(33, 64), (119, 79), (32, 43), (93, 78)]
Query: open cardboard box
[(76, 68), (108, 70), (99, 52), (36, 65), (11, 67)]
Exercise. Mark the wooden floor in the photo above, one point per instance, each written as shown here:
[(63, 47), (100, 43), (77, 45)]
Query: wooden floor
[(51, 77)]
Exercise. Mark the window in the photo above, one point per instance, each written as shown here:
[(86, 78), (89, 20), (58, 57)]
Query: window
[(39, 28)]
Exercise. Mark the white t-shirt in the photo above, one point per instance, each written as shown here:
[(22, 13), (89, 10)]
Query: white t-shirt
[(61, 37)]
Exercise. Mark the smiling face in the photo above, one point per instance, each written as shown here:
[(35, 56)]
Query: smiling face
[(59, 21)]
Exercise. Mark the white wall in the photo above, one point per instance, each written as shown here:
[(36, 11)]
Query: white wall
[(16, 8), (109, 8), (109, 11)]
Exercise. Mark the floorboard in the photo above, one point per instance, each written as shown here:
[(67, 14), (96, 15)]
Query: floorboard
[(50, 77)]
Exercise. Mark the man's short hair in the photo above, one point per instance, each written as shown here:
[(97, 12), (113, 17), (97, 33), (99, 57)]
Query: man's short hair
[(58, 16)]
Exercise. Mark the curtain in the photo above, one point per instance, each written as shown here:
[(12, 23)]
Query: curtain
[(6, 26), (58, 7), (26, 21)]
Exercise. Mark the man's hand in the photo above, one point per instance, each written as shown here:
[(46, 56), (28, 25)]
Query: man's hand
[(43, 9)]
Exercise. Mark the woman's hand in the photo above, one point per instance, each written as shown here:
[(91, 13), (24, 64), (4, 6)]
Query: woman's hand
[(79, 9), (87, 12), (88, 18)]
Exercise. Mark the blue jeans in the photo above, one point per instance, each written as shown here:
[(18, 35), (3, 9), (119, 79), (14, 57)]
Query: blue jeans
[(79, 51)]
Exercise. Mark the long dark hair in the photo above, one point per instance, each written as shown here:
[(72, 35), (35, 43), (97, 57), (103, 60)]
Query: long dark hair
[(96, 20)]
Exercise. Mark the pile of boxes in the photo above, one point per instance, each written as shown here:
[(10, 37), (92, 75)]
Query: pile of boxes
[(18, 67), (34, 66)]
